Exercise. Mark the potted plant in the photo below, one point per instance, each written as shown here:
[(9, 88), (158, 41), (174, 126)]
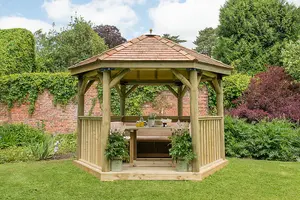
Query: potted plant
[(182, 150), (116, 150), (151, 119)]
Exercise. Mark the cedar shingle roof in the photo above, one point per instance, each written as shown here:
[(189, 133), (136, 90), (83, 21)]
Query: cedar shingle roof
[(151, 48)]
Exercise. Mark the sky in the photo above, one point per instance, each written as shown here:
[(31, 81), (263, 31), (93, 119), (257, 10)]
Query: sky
[(132, 17)]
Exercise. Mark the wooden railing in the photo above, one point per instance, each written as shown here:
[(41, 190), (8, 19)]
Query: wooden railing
[(211, 139), (89, 139)]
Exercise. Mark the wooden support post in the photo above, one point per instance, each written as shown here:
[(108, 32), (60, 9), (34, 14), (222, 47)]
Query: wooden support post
[(105, 118), (122, 100), (179, 101), (194, 118), (220, 112), (80, 112), (132, 147)]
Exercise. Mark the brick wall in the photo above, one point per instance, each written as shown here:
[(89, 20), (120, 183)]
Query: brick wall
[(62, 119)]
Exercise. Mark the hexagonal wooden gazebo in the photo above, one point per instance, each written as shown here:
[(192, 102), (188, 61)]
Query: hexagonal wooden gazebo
[(150, 59)]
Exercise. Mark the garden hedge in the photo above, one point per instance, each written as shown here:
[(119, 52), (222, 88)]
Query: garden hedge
[(17, 51)]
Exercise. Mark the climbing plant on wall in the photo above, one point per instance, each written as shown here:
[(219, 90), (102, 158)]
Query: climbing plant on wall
[(134, 101), (27, 86), (18, 88)]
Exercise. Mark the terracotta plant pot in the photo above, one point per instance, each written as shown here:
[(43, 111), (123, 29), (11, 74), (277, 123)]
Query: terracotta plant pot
[(116, 165)]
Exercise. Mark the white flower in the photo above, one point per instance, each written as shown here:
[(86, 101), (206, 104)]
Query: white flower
[(55, 149)]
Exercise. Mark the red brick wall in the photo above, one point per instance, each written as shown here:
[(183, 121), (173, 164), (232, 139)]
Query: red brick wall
[(62, 119)]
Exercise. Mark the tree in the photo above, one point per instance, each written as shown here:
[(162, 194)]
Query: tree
[(16, 51), (174, 38), (271, 94), (291, 59), (110, 34), (76, 42), (251, 33), (206, 40)]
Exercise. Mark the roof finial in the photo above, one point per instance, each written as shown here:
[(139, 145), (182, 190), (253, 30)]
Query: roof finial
[(150, 30)]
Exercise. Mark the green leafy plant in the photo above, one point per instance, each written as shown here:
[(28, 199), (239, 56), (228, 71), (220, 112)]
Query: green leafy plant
[(275, 140), (19, 135), (117, 146), (43, 150), (152, 116), (181, 148)]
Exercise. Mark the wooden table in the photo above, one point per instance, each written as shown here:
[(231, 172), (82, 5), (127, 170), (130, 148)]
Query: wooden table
[(133, 135)]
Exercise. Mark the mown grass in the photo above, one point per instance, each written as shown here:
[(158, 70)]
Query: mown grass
[(60, 179)]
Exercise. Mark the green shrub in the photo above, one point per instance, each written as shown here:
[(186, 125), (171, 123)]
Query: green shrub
[(17, 51), (291, 61), (234, 86), (275, 140), (15, 154), (19, 135)]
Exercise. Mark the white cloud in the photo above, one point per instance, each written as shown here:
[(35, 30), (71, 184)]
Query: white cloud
[(113, 12), (185, 18), (296, 2), (22, 22)]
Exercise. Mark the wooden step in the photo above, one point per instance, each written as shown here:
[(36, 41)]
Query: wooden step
[(154, 163)]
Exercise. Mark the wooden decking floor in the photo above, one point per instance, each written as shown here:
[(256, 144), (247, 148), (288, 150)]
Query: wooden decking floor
[(151, 170)]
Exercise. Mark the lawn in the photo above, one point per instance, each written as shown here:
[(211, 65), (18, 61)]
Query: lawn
[(60, 179)]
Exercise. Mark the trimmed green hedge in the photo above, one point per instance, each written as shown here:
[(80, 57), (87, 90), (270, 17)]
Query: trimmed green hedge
[(27, 86), (17, 51), (276, 140)]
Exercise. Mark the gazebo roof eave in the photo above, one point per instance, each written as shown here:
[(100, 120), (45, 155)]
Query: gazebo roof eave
[(149, 64)]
